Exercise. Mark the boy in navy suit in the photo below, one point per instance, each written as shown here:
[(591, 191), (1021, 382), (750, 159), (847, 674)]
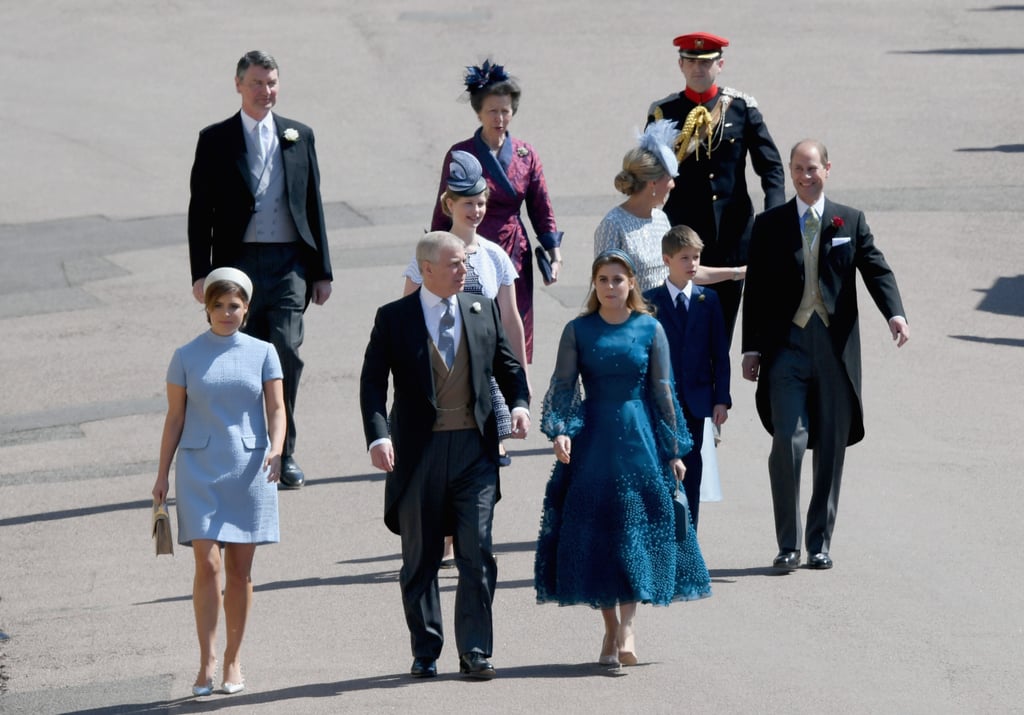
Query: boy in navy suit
[(693, 321)]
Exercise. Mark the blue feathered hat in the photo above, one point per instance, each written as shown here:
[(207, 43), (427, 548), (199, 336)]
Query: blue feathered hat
[(480, 78), (659, 138)]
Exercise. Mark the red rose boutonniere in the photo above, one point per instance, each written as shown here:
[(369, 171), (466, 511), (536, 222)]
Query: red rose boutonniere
[(837, 222)]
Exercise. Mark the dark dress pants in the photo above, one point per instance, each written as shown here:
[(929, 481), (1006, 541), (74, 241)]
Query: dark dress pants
[(452, 491), (808, 390), (730, 294), (275, 313), (694, 464)]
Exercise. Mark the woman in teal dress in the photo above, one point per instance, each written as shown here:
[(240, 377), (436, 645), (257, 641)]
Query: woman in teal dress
[(608, 536)]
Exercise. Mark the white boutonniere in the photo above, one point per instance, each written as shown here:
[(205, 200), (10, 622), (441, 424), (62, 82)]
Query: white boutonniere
[(291, 134), (700, 298), (522, 151), (475, 308)]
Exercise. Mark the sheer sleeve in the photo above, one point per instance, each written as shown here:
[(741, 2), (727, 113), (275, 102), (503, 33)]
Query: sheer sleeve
[(563, 404), (669, 425)]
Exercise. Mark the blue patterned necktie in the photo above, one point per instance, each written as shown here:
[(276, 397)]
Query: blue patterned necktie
[(811, 225), (446, 335)]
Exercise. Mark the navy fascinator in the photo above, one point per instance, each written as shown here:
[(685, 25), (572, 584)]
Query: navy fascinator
[(482, 77)]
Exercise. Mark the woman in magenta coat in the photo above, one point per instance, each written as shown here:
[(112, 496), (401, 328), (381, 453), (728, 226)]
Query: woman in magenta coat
[(514, 176)]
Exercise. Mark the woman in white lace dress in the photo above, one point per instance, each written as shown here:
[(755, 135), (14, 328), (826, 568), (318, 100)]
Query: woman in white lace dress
[(638, 224)]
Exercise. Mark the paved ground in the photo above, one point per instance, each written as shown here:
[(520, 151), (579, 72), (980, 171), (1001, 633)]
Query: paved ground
[(919, 104)]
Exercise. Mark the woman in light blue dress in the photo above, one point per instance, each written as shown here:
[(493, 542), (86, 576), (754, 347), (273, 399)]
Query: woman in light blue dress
[(226, 421), (609, 537)]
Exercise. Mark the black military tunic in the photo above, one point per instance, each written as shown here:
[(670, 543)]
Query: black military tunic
[(711, 194)]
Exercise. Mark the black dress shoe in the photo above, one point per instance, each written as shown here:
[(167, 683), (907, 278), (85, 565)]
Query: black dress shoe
[(424, 668), (291, 474), (475, 665), (819, 561), (787, 560)]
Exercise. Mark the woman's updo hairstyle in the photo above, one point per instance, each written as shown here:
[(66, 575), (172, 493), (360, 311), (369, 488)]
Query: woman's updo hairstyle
[(639, 167)]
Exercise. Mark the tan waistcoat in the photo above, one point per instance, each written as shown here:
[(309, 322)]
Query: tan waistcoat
[(453, 391)]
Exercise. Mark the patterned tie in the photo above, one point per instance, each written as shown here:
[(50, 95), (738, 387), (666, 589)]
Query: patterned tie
[(446, 335), (811, 225)]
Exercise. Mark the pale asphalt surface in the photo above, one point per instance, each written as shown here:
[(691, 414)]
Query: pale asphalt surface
[(923, 611)]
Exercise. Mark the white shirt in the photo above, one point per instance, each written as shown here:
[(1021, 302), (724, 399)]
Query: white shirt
[(819, 208), (433, 309), (686, 290), (249, 125)]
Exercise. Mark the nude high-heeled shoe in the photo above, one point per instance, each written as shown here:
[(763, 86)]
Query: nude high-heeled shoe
[(609, 651), (627, 646)]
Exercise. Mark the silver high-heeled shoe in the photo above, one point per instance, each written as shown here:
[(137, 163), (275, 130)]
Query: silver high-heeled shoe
[(232, 688), (203, 690)]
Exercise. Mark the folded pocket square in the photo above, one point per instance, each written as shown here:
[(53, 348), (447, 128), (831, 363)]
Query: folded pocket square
[(840, 241)]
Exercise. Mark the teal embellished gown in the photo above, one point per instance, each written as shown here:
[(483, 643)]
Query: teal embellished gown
[(608, 529)]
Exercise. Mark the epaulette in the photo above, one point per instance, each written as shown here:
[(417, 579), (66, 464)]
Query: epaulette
[(654, 110), (736, 94)]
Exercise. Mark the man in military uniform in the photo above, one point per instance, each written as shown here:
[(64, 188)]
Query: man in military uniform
[(719, 128)]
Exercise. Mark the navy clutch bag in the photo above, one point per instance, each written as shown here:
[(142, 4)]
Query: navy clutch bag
[(543, 263)]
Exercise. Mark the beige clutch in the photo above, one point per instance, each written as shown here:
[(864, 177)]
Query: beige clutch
[(162, 529)]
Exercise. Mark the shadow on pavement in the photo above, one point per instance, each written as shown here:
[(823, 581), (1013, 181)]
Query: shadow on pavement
[(82, 511), (329, 690), (1005, 297), (1008, 342), (983, 51), (1002, 148)]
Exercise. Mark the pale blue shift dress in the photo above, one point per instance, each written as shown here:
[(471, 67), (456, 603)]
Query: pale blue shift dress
[(220, 482)]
